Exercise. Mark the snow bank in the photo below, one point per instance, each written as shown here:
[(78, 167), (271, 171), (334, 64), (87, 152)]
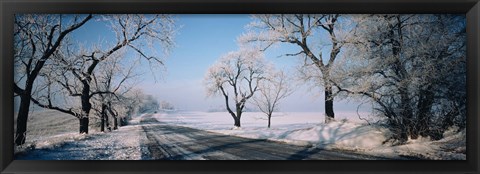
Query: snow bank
[(335, 134), (451, 147)]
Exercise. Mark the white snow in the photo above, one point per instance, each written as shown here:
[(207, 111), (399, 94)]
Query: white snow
[(121, 144), (300, 128), (308, 129), (451, 147)]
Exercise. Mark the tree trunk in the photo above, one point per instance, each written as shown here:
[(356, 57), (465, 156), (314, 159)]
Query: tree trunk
[(424, 106), (86, 106), (329, 114), (84, 121), (22, 118), (114, 117), (269, 118), (403, 133), (102, 124), (239, 109), (104, 116), (107, 122), (237, 122), (84, 124), (115, 122), (406, 113), (408, 122)]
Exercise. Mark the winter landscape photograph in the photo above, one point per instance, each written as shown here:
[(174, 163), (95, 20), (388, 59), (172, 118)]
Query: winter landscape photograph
[(240, 87)]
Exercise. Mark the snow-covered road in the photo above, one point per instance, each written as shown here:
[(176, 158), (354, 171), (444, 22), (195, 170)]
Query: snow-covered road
[(170, 142)]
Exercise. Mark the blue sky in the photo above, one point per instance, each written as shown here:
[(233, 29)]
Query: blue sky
[(201, 40)]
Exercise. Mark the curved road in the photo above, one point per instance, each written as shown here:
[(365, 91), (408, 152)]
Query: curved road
[(169, 142)]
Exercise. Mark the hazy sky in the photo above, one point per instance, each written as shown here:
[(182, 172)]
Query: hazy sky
[(201, 40)]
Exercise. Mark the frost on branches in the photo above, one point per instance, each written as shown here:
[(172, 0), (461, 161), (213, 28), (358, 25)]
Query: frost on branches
[(413, 67), (236, 76), (73, 81), (275, 88), (312, 34)]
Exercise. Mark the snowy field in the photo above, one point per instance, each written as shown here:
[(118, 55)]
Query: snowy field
[(303, 128)]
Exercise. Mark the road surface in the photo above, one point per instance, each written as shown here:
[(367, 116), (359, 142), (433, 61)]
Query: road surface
[(169, 142)]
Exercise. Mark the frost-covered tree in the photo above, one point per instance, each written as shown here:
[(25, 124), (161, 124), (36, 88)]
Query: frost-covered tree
[(272, 90), (413, 68), (166, 106), (313, 35), (135, 33), (112, 78), (149, 104), (127, 106), (36, 38), (236, 76)]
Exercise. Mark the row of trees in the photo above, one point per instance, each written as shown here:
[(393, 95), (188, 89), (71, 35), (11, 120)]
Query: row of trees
[(411, 67), (55, 71)]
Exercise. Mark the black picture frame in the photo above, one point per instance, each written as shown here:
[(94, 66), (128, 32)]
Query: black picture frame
[(9, 7)]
